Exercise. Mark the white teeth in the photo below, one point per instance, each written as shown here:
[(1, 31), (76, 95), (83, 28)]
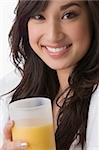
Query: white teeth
[(56, 49)]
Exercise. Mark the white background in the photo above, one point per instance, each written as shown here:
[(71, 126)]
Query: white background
[(6, 19)]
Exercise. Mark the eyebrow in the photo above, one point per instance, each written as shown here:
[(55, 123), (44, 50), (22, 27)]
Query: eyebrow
[(69, 5)]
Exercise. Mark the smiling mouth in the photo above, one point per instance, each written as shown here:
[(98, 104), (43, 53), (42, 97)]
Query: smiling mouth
[(58, 49)]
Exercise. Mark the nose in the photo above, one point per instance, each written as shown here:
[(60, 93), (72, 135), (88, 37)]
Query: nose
[(54, 32)]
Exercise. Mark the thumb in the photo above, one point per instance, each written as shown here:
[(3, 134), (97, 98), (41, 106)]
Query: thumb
[(7, 130)]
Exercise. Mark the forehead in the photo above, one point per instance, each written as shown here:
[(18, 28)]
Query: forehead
[(36, 6), (64, 2)]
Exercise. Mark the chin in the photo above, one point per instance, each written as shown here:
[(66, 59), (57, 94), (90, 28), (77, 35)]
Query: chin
[(56, 67)]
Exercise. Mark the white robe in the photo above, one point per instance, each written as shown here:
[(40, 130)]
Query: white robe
[(92, 138)]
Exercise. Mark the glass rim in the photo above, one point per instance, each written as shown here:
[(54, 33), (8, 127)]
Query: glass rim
[(16, 104)]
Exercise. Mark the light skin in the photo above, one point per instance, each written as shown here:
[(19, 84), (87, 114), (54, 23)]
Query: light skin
[(60, 28), (66, 29)]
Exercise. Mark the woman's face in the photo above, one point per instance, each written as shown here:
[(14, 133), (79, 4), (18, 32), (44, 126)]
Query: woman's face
[(61, 35)]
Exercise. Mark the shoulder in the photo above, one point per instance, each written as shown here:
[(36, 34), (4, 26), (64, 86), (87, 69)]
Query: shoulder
[(95, 100), (9, 82), (96, 94), (92, 138)]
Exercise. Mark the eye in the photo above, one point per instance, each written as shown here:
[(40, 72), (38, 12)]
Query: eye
[(38, 17), (70, 15)]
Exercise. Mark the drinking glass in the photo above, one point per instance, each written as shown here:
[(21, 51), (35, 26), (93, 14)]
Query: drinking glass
[(33, 122), (4, 116)]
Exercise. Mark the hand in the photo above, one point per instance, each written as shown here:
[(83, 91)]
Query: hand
[(8, 143)]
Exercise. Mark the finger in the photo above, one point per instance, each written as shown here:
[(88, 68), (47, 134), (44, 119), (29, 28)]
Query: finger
[(15, 145), (7, 130)]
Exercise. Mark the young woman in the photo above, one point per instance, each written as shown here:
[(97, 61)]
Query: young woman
[(58, 44)]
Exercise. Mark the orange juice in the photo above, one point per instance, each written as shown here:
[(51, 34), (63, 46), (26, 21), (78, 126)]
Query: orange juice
[(39, 137)]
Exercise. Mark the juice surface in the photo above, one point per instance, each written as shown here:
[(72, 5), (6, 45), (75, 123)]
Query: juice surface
[(39, 138)]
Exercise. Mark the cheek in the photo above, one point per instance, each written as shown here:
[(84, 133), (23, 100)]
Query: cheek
[(81, 37), (33, 34), (80, 32)]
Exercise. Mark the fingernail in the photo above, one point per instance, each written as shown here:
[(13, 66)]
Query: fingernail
[(22, 145)]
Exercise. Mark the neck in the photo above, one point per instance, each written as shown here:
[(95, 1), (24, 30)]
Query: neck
[(63, 76)]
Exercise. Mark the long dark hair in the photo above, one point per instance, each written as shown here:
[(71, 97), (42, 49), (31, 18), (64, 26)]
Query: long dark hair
[(40, 80)]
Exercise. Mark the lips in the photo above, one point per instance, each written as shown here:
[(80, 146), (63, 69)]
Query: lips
[(56, 51)]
